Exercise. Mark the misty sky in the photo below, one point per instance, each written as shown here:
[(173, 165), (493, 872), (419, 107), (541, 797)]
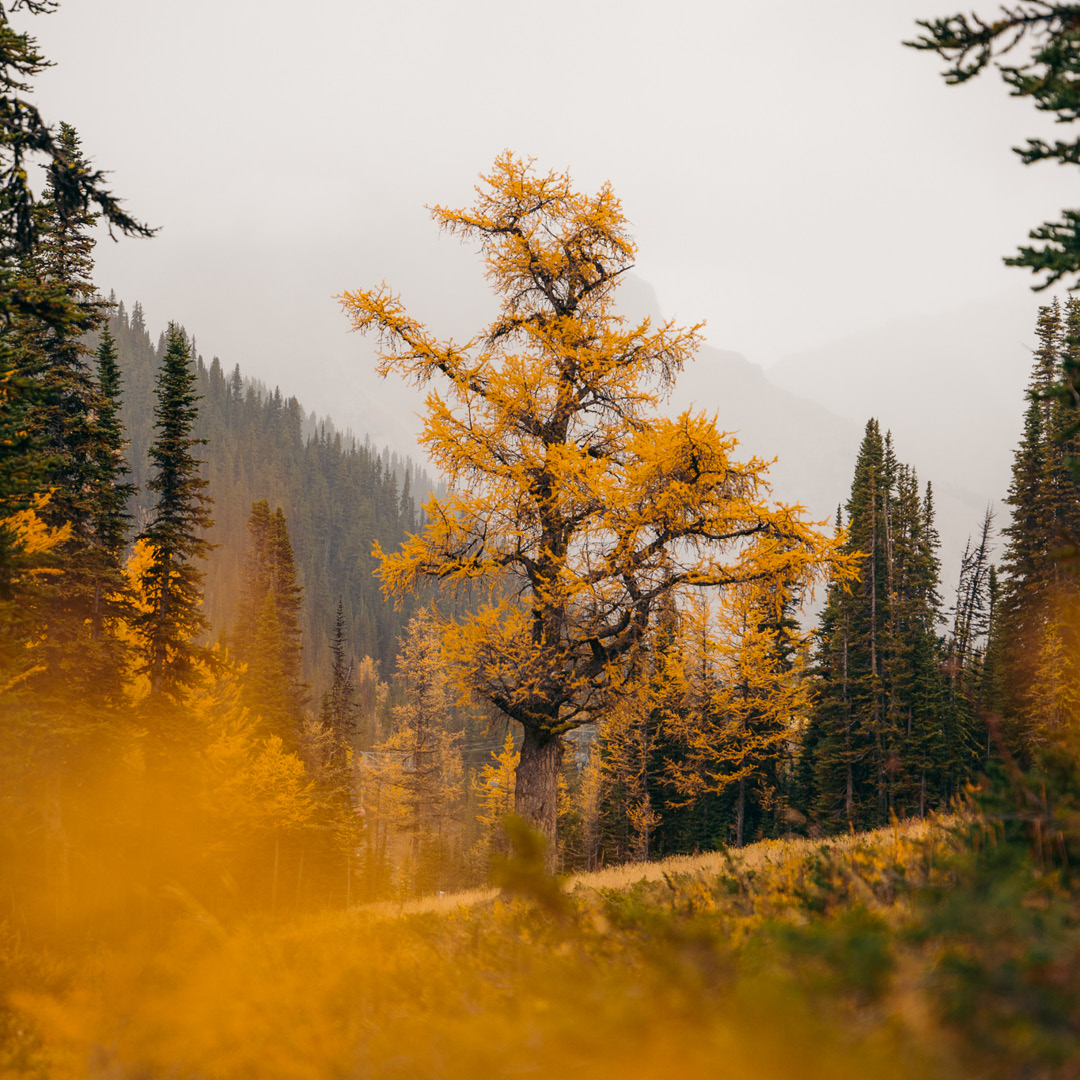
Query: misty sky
[(792, 174)]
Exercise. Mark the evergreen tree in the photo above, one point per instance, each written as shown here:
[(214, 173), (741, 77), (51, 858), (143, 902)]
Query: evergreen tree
[(968, 663), (25, 297), (880, 738), (1044, 497), (63, 424), (1063, 427), (74, 186), (112, 520), (267, 633), (56, 356), (22, 476), (1025, 561), (172, 582), (852, 694), (339, 706), (830, 750)]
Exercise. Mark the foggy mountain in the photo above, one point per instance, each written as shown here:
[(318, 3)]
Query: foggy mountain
[(953, 397), (812, 422), (949, 386)]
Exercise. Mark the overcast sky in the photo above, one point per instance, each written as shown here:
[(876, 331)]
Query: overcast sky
[(792, 174)]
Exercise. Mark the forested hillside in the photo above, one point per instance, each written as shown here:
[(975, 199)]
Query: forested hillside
[(339, 496)]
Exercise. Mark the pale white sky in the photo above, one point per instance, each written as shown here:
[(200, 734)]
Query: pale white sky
[(793, 175)]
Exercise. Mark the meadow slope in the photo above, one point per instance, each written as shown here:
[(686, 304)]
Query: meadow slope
[(815, 959)]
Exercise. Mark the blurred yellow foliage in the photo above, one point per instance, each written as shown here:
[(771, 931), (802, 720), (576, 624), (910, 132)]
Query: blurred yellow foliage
[(661, 979)]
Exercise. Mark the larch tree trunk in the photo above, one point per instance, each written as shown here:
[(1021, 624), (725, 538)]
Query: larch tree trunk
[(537, 785)]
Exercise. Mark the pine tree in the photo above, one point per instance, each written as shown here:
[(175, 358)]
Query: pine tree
[(103, 653), (25, 299), (22, 476), (56, 356), (1063, 432), (267, 632), (172, 582), (967, 654), (1045, 500), (831, 751), (1025, 561), (75, 187), (63, 424), (112, 520), (855, 741), (879, 737), (339, 705)]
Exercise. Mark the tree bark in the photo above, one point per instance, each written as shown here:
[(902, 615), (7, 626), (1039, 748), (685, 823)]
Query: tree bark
[(537, 785), (740, 812)]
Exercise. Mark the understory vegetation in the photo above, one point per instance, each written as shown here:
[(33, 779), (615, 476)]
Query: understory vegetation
[(942, 948)]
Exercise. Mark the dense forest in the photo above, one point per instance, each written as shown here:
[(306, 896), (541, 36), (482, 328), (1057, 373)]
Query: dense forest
[(338, 495), (246, 678)]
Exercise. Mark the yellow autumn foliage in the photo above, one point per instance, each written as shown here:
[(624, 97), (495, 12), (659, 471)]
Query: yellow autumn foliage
[(31, 536), (660, 973)]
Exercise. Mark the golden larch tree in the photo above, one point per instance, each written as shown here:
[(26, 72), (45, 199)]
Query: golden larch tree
[(577, 505), (746, 695)]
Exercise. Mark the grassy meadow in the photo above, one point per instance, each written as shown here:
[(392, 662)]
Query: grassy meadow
[(929, 949)]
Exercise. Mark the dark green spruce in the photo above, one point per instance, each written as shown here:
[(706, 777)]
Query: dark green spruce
[(883, 738), (172, 583)]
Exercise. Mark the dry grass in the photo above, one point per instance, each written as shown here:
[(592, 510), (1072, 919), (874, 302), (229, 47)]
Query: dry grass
[(688, 978), (752, 857), (440, 904), (764, 853)]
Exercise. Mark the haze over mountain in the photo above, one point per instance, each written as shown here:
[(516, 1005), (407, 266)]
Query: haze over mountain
[(950, 386), (953, 399), (954, 407)]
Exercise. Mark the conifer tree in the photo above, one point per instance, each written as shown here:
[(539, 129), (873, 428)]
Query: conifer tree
[(968, 664), (172, 582), (493, 789), (571, 498), (63, 423), (857, 736), (112, 520), (1063, 427), (74, 188), (418, 769), (880, 738), (626, 753), (56, 356), (339, 705), (22, 476), (267, 632), (1044, 497), (737, 744)]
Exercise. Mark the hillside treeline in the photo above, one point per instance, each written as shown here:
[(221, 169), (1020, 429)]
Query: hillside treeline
[(339, 494)]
